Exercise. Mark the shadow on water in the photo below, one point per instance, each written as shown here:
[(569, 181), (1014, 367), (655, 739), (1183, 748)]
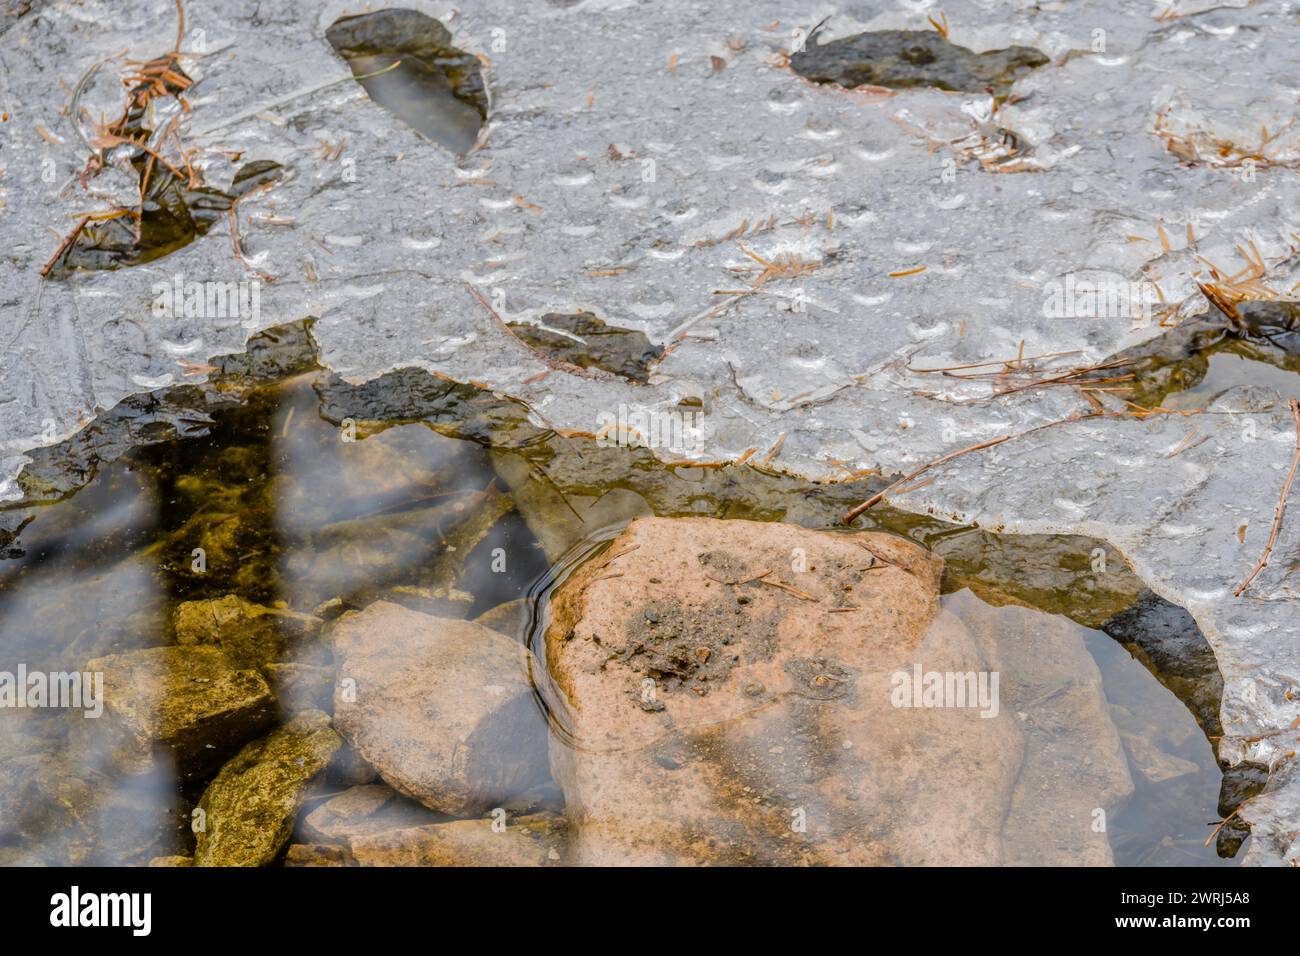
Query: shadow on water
[(303, 496)]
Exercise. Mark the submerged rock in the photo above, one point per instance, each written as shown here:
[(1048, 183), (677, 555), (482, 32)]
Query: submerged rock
[(442, 708), (1154, 764), (56, 808), (537, 840), (251, 634), (509, 618), (560, 520), (349, 768), (193, 703), (250, 807), (729, 693), (301, 686), (314, 854), (363, 811), (1072, 764), (374, 826), (334, 819)]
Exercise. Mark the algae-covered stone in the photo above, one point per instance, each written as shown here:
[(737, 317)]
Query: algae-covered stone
[(193, 703), (249, 809), (172, 861), (442, 708), (247, 632)]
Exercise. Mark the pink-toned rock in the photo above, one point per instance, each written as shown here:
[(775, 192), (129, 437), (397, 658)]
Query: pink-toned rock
[(341, 816), (729, 694), (443, 709)]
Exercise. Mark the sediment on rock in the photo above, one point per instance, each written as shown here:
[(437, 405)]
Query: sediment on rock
[(727, 694)]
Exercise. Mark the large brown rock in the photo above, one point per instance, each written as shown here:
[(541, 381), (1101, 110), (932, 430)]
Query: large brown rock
[(727, 692), (191, 703), (443, 709)]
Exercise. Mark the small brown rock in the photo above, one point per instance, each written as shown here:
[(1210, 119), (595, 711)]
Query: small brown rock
[(315, 854), (443, 709)]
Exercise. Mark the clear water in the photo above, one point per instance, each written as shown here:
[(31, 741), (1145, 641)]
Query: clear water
[(309, 496)]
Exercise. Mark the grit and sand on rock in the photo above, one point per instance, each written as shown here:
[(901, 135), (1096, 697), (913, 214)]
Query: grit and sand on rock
[(724, 707)]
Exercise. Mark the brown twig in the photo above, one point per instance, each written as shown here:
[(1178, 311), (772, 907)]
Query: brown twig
[(553, 363), (788, 588), (67, 242), (180, 27), (849, 516), (852, 513), (1222, 823), (1280, 510), (756, 577), (1005, 362)]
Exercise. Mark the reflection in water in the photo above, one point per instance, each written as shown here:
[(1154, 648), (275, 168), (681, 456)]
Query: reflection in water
[(1193, 364), (1229, 369), (249, 514), (406, 63), (1177, 780)]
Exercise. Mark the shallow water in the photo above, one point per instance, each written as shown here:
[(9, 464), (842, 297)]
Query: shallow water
[(1230, 369), (310, 496), (405, 62), (1189, 367)]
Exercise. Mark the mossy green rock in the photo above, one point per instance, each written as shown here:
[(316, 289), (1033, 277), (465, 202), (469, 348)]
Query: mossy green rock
[(192, 703), (249, 809), (245, 631)]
